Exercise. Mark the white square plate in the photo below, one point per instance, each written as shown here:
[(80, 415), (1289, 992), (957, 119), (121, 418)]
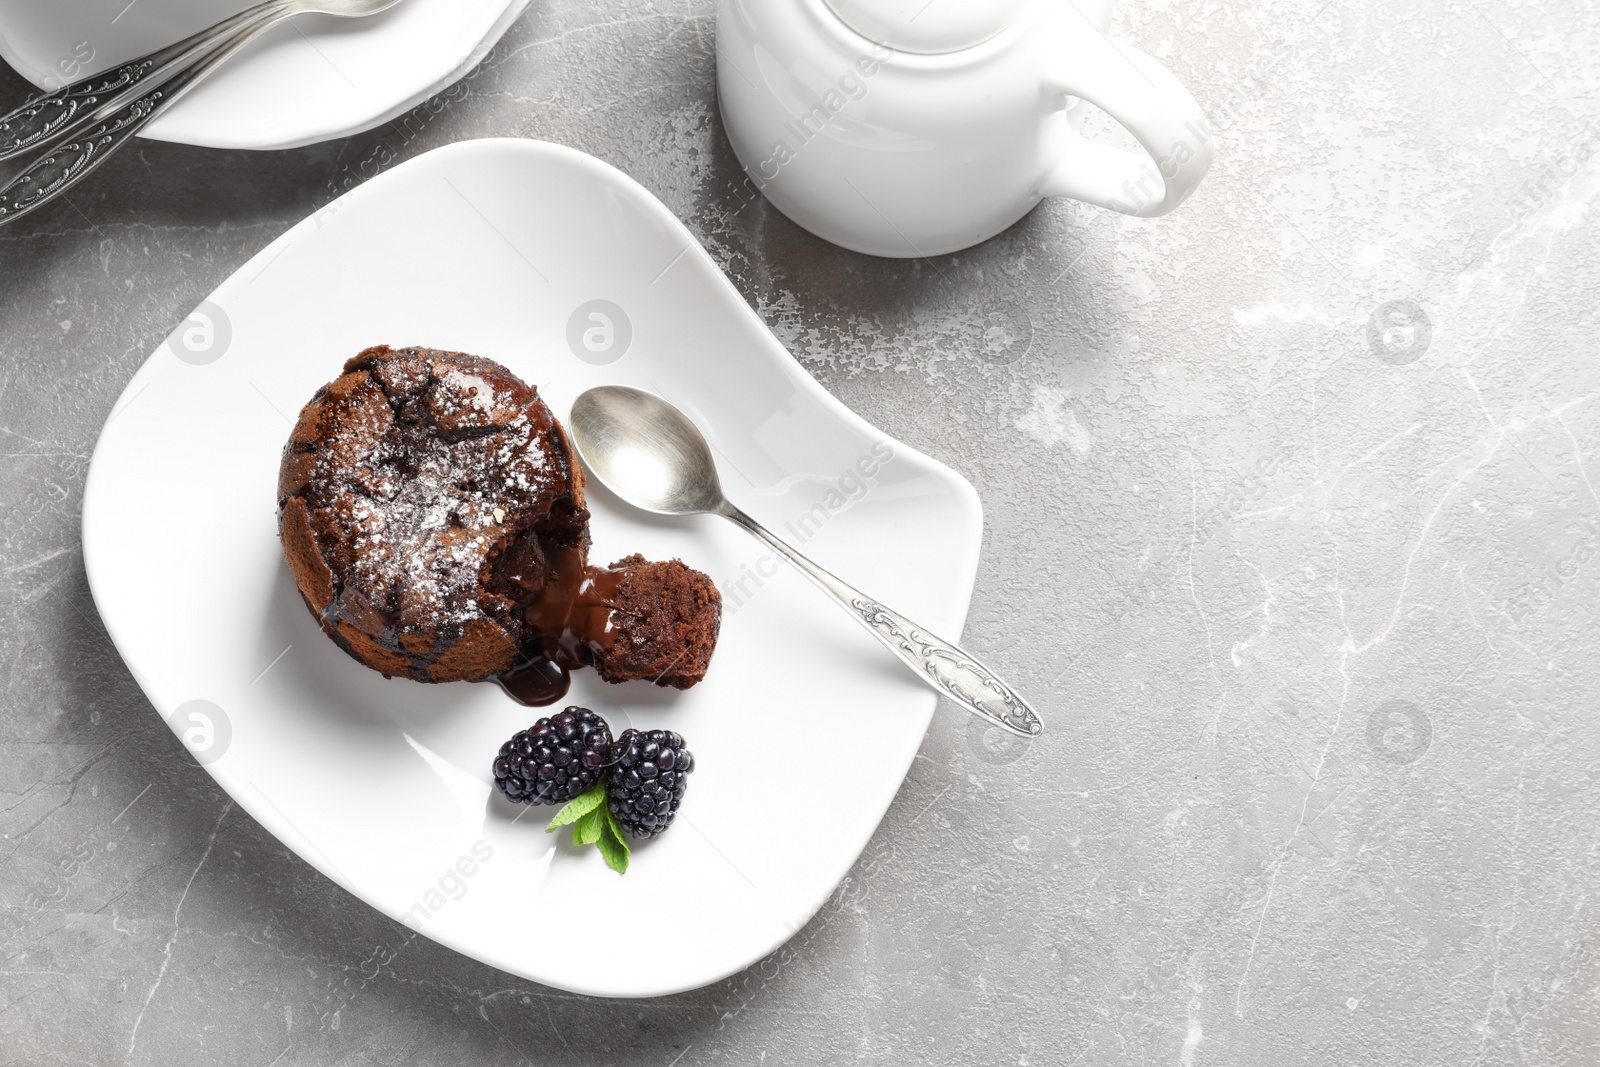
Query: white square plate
[(496, 247)]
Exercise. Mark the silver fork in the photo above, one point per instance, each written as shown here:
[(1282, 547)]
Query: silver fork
[(80, 125)]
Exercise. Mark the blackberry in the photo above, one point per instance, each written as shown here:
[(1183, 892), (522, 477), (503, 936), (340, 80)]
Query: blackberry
[(555, 759), (646, 780)]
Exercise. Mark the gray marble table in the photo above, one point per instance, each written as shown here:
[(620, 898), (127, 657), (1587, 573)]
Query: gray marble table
[(1291, 524)]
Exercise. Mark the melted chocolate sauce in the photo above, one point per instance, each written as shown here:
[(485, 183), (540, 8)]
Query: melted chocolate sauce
[(535, 682), (571, 618)]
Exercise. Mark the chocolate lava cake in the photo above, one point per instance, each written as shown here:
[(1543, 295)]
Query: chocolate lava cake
[(431, 509)]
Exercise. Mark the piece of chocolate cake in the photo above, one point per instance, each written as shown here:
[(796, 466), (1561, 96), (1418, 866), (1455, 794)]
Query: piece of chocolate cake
[(432, 513), (665, 621)]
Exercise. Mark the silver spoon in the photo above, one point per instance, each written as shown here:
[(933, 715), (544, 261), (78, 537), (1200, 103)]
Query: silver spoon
[(648, 453), (103, 112)]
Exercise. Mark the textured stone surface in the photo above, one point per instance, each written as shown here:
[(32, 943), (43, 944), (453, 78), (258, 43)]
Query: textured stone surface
[(1313, 625)]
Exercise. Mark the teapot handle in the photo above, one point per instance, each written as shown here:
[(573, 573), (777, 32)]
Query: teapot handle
[(1145, 98)]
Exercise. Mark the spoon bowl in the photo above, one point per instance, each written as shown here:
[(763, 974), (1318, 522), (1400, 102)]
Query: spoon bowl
[(646, 451), (350, 9), (652, 456)]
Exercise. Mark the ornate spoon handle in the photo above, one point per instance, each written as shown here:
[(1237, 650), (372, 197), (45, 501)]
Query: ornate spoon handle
[(942, 664), (46, 119), (69, 163)]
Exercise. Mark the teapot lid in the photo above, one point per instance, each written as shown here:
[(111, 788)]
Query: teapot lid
[(928, 26)]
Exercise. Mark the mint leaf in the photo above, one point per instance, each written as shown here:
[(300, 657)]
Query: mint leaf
[(586, 831), (579, 806), (593, 824), (611, 844)]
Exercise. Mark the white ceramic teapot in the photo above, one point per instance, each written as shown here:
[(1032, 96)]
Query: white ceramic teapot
[(919, 127)]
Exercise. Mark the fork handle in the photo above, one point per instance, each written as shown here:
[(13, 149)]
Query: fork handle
[(47, 119)]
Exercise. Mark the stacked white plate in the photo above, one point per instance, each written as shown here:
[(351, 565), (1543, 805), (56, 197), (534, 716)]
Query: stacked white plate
[(310, 80)]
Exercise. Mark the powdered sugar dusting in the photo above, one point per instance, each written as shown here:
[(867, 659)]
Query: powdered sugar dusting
[(428, 465)]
